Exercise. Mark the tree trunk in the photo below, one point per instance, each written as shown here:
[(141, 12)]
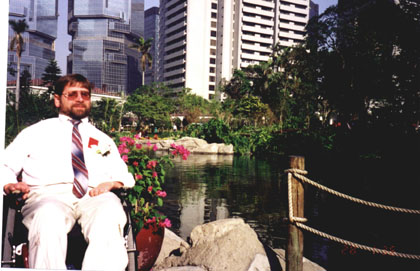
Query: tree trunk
[(142, 78), (17, 92)]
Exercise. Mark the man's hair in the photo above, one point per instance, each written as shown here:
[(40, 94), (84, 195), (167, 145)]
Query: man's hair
[(71, 80)]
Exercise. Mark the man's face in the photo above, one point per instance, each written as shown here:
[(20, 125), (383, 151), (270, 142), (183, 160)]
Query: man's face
[(74, 102)]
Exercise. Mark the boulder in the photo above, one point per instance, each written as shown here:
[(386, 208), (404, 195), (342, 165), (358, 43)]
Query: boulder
[(172, 244), (227, 244), (194, 145)]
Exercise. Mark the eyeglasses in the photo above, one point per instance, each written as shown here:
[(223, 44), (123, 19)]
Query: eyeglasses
[(73, 95)]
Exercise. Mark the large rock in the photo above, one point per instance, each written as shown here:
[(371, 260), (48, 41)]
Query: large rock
[(227, 244), (172, 244), (194, 145)]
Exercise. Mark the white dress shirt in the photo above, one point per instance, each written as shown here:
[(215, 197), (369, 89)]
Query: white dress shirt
[(43, 153)]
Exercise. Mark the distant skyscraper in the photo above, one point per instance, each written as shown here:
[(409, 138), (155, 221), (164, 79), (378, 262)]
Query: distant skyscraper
[(151, 30), (202, 42), (41, 17), (313, 10), (102, 32)]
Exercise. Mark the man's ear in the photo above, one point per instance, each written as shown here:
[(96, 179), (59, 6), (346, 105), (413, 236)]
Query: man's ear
[(57, 101)]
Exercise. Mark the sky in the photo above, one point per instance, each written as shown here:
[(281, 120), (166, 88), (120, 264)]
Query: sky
[(63, 38)]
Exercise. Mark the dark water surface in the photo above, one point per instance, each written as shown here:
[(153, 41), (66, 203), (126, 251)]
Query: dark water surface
[(209, 187)]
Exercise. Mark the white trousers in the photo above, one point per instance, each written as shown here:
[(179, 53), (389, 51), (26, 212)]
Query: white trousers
[(51, 212)]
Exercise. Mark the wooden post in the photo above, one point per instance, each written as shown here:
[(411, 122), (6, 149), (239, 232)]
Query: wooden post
[(294, 250)]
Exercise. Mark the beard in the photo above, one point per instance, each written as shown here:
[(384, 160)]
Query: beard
[(78, 111)]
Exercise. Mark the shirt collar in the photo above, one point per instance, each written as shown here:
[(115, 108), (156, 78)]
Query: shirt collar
[(63, 117)]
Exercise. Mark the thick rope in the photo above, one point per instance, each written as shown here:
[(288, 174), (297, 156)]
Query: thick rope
[(297, 220), (292, 218), (356, 245), (297, 173)]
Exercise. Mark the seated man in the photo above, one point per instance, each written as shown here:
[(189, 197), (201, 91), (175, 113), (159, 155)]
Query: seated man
[(68, 169)]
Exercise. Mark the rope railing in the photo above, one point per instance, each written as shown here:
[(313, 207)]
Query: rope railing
[(298, 221), (298, 174)]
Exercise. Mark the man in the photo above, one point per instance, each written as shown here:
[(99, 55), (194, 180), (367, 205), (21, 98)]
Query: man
[(68, 169)]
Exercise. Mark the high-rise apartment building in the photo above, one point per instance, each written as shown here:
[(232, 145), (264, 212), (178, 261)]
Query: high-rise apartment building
[(202, 42), (151, 20), (102, 32), (41, 17)]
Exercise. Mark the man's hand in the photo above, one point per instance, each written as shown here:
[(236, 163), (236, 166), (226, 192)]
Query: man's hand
[(19, 187), (105, 187)]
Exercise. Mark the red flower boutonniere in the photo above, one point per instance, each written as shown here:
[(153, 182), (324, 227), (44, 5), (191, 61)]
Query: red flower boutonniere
[(92, 142)]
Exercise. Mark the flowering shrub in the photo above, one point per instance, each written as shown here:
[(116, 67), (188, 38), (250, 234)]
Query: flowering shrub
[(149, 175)]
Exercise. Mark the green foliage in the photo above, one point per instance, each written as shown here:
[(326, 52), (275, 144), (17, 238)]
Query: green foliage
[(215, 131), (150, 108), (33, 108), (106, 114), (51, 74), (149, 174)]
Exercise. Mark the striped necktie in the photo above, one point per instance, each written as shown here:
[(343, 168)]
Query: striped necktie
[(80, 183)]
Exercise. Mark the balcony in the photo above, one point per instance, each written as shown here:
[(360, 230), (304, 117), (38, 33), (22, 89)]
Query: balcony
[(257, 29), (176, 36), (173, 64), (174, 55), (174, 19)]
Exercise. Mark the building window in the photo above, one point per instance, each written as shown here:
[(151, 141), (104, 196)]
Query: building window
[(212, 61), (213, 24), (213, 33), (211, 87), (212, 79), (213, 52), (214, 15), (213, 6), (213, 42), (212, 70)]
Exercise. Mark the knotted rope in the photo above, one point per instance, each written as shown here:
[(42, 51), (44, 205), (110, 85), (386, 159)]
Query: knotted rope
[(298, 173)]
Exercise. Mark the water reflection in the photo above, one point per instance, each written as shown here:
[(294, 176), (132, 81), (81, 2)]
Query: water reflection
[(209, 187)]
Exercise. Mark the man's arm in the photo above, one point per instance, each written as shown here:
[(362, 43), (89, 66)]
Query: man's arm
[(105, 187), (19, 187)]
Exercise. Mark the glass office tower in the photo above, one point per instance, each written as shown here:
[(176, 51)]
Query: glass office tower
[(151, 21), (102, 32), (41, 17)]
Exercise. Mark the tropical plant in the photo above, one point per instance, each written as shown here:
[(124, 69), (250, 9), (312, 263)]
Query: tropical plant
[(150, 108), (147, 195), (143, 47), (51, 74), (17, 44)]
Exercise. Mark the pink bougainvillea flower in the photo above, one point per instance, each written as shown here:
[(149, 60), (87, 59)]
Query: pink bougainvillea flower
[(135, 163), (150, 188), (173, 145), (166, 223), (154, 174), (139, 176), (148, 144), (161, 194), (137, 136), (138, 146), (130, 141), (155, 147), (125, 158), (151, 164)]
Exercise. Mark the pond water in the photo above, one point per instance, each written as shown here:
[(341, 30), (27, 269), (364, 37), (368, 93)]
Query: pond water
[(209, 187)]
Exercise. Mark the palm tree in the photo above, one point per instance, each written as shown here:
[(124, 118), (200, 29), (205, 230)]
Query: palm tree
[(17, 43), (143, 47)]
